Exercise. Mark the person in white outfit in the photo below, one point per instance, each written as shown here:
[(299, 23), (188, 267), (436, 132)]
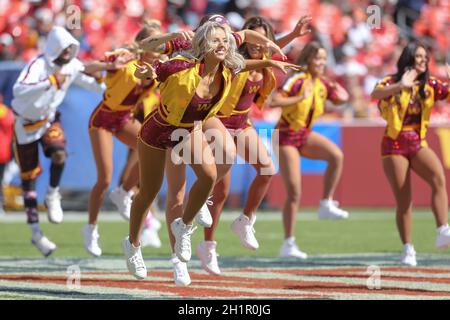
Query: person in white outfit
[(38, 92)]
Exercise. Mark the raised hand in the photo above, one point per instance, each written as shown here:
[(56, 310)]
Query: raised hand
[(145, 72), (185, 35), (408, 79), (122, 60), (271, 45), (284, 66), (303, 26), (341, 94), (447, 68)]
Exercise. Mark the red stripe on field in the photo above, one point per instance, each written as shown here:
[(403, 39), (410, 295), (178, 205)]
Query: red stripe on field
[(234, 281), (331, 273), (421, 270), (160, 286), (361, 273)]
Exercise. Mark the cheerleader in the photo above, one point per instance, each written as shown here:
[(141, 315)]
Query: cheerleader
[(193, 88), (406, 100), (114, 117), (302, 100), (247, 87)]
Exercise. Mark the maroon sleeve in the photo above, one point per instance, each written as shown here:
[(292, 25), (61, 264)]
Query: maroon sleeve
[(331, 89), (238, 39), (441, 89), (177, 45), (291, 90), (166, 69)]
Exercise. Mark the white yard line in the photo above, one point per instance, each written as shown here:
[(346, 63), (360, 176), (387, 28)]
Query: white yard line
[(71, 216)]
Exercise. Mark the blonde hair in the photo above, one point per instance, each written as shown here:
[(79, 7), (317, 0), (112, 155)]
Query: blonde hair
[(201, 46), (152, 24)]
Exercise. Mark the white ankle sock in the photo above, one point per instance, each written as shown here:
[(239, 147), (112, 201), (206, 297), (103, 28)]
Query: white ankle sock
[(289, 240), (35, 228), (408, 246), (442, 228), (52, 190)]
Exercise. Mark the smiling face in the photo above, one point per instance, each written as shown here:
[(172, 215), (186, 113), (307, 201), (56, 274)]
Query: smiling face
[(316, 65), (218, 45), (255, 51), (421, 60)]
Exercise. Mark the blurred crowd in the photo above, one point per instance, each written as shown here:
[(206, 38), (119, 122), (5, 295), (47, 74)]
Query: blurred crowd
[(363, 38)]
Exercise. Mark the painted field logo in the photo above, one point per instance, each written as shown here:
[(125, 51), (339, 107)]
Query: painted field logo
[(374, 280), (73, 277)]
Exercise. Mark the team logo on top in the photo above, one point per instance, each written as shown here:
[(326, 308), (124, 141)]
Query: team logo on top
[(322, 93), (414, 110), (203, 106), (253, 89)]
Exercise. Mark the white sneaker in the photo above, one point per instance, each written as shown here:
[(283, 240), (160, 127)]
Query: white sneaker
[(243, 227), (182, 234), (53, 204), (289, 249), (135, 262), (150, 238), (206, 252), (443, 238), (180, 272), (329, 210), (204, 217), (409, 256), (122, 200), (45, 246), (91, 236)]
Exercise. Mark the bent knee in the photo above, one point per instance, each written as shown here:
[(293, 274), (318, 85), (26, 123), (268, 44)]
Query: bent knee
[(337, 156), (143, 199), (103, 182), (267, 171), (293, 194), (59, 157), (437, 181)]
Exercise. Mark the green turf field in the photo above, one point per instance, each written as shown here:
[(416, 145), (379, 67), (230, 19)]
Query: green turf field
[(366, 231)]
